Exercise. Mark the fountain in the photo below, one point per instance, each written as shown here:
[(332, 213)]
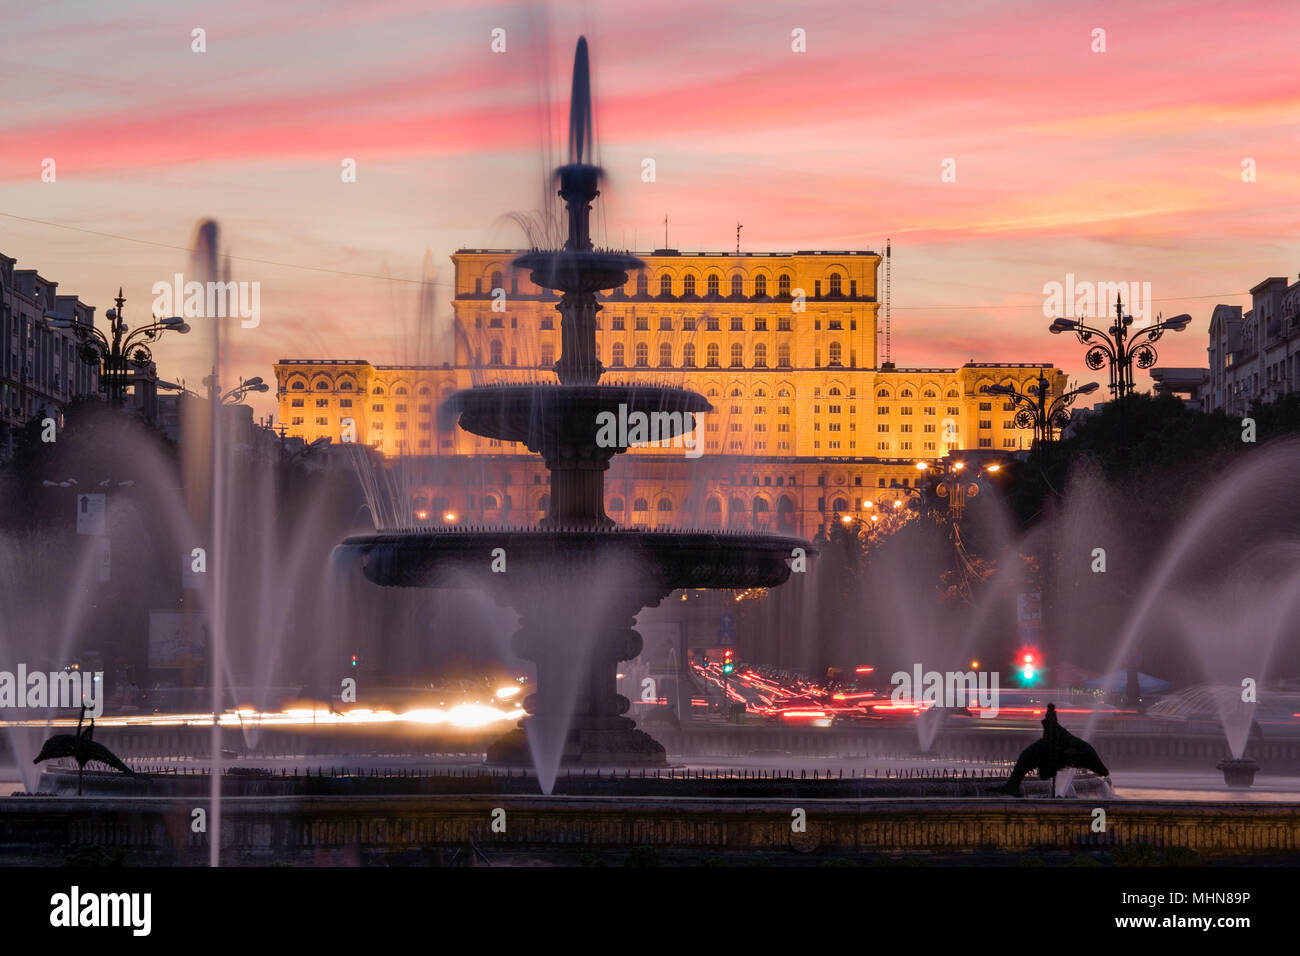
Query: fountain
[(576, 580)]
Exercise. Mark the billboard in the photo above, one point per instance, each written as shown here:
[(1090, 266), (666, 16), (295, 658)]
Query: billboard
[(177, 639)]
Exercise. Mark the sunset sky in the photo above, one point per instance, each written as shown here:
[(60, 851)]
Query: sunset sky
[(1123, 165)]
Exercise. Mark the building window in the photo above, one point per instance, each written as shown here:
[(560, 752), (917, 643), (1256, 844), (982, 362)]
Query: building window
[(322, 420), (665, 324), (345, 403), (617, 323), (783, 285), (986, 406), (737, 324), (617, 360), (986, 423), (712, 284), (688, 285), (642, 323), (760, 355), (835, 283), (713, 356), (688, 323), (737, 355), (760, 286), (665, 355), (712, 324), (297, 420), (642, 355), (297, 403), (642, 284), (737, 286), (688, 354)]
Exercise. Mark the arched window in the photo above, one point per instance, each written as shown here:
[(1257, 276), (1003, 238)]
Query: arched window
[(642, 284), (882, 393), (665, 354), (616, 504), (736, 393), (782, 393), (713, 511), (760, 285), (688, 285), (952, 393), (424, 389), (836, 352), (688, 354), (617, 360), (664, 505), (783, 355), (712, 393), (711, 284), (640, 505), (737, 355), (905, 393), (713, 355), (400, 390), (494, 353), (642, 355), (835, 390), (544, 504), (322, 386), (760, 506), (760, 393), (835, 283), (840, 505), (737, 286), (783, 284), (760, 355), (299, 386), (377, 390), (345, 386), (490, 502), (496, 282), (931, 393), (665, 285)]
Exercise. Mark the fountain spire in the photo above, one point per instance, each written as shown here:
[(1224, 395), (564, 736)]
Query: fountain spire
[(580, 105)]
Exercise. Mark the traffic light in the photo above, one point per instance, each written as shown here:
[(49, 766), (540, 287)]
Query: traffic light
[(354, 660), (1029, 665), (728, 663)]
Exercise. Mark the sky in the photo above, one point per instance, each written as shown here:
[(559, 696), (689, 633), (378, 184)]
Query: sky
[(1001, 146)]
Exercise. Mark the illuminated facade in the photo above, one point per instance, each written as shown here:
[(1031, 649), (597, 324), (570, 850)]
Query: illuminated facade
[(805, 424)]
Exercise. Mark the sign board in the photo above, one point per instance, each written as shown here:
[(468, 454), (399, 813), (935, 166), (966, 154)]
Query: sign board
[(90, 514), (177, 639)]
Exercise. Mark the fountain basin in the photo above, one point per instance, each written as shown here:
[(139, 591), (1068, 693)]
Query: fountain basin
[(539, 416), (1238, 772), (662, 561), (578, 270)]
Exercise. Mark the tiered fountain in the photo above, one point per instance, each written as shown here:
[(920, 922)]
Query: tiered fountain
[(577, 580)]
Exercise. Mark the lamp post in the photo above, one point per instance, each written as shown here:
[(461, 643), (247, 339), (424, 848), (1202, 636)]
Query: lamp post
[(236, 394), (1034, 409), (121, 348), (1118, 347), (956, 484)]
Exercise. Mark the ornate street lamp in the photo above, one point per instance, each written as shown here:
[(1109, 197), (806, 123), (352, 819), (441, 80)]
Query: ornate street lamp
[(956, 483), (1036, 412), (1119, 348), (121, 349), (236, 394)]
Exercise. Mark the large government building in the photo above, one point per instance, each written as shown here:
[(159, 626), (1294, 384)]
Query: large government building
[(808, 422)]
